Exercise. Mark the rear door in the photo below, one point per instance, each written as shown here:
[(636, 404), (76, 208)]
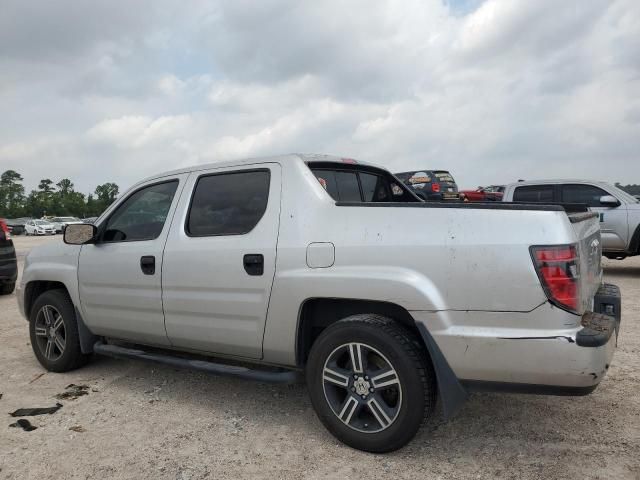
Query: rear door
[(220, 259), (119, 276), (613, 220), (448, 186)]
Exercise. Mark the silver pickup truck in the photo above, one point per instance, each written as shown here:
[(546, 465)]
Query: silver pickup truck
[(331, 268), (619, 211)]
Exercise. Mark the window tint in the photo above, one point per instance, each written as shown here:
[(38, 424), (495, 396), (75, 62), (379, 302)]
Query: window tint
[(582, 194), (374, 188), (142, 215), (533, 193), (229, 203), (348, 189), (343, 186)]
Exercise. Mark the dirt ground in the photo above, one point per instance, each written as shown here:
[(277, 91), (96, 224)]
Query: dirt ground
[(143, 421)]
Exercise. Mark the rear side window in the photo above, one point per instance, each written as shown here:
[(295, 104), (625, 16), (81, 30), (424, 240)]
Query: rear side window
[(228, 203), (142, 215), (588, 194), (534, 193)]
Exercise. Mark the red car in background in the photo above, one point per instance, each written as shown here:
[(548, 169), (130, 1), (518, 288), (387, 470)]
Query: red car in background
[(492, 193)]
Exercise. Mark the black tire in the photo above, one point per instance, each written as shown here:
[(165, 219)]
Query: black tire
[(7, 288), (60, 360), (384, 340)]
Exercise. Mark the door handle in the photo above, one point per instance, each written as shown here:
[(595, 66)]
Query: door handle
[(148, 264), (254, 264)]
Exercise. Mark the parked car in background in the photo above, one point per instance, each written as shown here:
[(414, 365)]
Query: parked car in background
[(16, 226), (8, 263), (619, 211), (39, 227), (431, 185), (61, 222), (89, 219), (492, 193), (306, 263)]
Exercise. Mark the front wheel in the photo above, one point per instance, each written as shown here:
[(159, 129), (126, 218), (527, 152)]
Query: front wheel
[(54, 332), (370, 382)]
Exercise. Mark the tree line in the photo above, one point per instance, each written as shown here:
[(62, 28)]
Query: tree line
[(52, 199), (632, 189)]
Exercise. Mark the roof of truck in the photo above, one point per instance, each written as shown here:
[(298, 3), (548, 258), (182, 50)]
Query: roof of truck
[(305, 157), (557, 182)]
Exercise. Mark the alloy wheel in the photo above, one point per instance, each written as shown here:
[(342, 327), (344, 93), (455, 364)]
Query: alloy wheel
[(362, 387), (50, 332)]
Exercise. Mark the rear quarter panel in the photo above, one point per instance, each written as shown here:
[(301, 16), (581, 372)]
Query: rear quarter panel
[(424, 259)]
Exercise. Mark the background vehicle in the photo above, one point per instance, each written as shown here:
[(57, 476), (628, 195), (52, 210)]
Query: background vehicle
[(619, 211), (8, 263), (371, 310), (17, 225), (492, 193), (430, 185), (89, 220), (60, 223), (39, 227)]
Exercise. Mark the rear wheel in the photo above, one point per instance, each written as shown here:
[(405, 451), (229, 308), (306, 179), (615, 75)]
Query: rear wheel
[(54, 332), (370, 382)]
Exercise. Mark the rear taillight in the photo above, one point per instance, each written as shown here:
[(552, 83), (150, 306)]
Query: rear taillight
[(5, 229), (558, 269), (435, 187)]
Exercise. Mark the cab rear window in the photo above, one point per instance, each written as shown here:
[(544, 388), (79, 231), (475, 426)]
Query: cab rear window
[(360, 186)]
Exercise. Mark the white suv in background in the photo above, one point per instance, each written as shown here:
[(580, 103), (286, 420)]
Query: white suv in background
[(619, 211), (61, 222)]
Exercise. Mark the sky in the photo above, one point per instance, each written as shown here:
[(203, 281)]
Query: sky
[(494, 91)]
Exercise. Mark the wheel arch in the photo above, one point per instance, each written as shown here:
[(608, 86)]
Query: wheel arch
[(316, 314), (35, 288), (634, 245)]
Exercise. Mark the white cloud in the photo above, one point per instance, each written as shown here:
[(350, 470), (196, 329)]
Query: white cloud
[(513, 89)]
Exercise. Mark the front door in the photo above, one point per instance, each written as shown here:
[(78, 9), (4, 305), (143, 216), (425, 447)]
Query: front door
[(219, 261), (119, 276), (613, 220)]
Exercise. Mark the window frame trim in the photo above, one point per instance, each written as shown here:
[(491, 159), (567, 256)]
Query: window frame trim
[(103, 225), (185, 226)]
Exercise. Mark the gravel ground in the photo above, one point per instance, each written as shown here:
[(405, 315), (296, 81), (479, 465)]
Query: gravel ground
[(142, 421)]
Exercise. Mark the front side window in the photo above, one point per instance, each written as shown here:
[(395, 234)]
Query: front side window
[(534, 193), (142, 215), (588, 194), (228, 203)]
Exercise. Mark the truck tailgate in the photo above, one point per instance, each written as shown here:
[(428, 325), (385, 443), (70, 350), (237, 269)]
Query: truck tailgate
[(587, 229)]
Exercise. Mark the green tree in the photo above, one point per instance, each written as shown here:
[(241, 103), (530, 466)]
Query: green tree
[(106, 194), (11, 194)]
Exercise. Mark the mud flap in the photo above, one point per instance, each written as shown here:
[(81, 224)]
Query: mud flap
[(451, 391), (87, 339)]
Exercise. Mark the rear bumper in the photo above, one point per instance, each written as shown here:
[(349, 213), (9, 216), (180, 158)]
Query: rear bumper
[(494, 350)]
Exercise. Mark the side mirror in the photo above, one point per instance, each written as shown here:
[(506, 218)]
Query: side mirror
[(79, 234), (609, 201)]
